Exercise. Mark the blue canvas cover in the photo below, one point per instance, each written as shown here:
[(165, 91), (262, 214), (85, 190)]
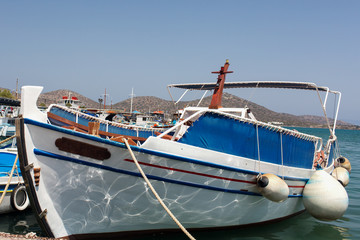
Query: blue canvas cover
[(6, 163), (220, 133)]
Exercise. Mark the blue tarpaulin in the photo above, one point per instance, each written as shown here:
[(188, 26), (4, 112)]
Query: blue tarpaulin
[(220, 133)]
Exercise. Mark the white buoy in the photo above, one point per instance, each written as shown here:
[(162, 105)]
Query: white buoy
[(342, 175), (324, 197), (272, 187), (343, 162)]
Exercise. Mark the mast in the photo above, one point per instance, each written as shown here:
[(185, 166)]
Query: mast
[(218, 91), (105, 99), (131, 99), (17, 85)]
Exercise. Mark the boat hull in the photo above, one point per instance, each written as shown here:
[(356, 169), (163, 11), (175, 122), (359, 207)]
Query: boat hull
[(83, 194), (10, 203)]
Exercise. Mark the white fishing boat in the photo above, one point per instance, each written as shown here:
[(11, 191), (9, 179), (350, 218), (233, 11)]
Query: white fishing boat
[(216, 168), (69, 101)]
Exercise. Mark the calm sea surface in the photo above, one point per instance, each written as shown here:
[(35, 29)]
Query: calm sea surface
[(299, 227)]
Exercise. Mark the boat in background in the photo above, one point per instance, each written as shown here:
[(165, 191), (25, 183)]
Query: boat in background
[(70, 101), (9, 110), (13, 196), (216, 168), (78, 120)]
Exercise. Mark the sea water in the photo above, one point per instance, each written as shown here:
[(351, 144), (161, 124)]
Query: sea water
[(300, 227)]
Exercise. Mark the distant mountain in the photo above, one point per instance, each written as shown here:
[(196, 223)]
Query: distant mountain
[(149, 104)]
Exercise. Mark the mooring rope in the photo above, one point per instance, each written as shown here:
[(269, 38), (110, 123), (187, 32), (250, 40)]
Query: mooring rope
[(324, 110), (10, 177), (7, 139), (282, 155), (155, 193)]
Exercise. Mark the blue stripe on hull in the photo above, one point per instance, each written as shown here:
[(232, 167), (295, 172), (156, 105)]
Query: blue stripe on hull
[(77, 161)]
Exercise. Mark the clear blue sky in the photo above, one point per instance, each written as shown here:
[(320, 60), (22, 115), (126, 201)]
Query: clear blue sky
[(87, 46)]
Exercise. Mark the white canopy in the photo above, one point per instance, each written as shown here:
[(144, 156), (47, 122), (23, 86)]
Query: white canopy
[(252, 84)]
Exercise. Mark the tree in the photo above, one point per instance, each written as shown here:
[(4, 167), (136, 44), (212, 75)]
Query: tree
[(100, 102), (6, 94)]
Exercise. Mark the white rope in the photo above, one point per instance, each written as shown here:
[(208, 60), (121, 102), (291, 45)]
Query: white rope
[(282, 155), (251, 95), (9, 180), (258, 147), (155, 193), (324, 110)]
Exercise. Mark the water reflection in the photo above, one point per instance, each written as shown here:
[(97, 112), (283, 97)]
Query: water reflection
[(300, 227), (20, 223)]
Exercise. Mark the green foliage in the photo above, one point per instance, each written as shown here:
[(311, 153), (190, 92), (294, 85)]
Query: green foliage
[(5, 93)]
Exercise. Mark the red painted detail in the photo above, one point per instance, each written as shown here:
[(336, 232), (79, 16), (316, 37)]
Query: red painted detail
[(194, 173), (218, 91), (74, 98), (296, 186), (64, 97), (199, 174)]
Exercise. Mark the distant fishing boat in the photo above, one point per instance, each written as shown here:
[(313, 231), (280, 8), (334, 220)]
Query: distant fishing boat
[(216, 168), (9, 109), (69, 101), (74, 119)]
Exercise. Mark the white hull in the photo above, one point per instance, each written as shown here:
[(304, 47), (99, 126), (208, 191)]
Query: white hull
[(83, 195)]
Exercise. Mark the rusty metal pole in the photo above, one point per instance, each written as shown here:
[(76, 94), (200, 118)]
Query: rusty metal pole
[(218, 91)]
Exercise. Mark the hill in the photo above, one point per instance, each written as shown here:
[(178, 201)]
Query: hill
[(149, 104)]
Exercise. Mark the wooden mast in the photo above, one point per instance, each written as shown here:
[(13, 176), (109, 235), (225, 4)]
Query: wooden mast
[(218, 91)]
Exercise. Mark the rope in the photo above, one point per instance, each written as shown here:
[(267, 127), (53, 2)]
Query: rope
[(7, 139), (258, 147), (282, 155), (324, 110), (155, 193), (251, 95), (10, 177)]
